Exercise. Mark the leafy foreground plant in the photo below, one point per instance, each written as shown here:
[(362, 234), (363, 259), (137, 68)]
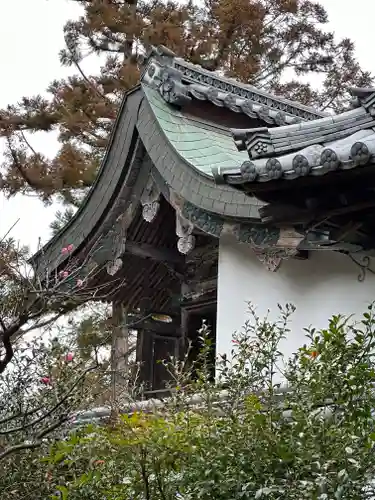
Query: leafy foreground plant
[(52, 375), (249, 440)]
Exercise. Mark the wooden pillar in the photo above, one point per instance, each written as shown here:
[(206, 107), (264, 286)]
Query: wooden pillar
[(119, 353)]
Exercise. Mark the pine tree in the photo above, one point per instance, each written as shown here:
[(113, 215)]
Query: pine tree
[(256, 41)]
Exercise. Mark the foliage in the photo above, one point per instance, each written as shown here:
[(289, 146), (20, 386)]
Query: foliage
[(30, 299), (261, 42), (38, 386), (314, 440), (61, 219), (48, 380), (45, 380)]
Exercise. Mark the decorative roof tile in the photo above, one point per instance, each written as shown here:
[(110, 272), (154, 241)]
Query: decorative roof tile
[(313, 148), (179, 81)]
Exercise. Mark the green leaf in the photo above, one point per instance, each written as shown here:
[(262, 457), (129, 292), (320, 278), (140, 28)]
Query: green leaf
[(64, 492)]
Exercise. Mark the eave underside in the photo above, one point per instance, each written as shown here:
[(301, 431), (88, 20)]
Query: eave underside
[(143, 282), (115, 184)]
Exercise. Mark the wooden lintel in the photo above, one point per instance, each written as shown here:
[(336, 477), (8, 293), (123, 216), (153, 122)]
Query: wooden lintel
[(148, 251)]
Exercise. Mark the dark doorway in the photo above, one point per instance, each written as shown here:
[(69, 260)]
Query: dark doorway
[(195, 317), (163, 348)]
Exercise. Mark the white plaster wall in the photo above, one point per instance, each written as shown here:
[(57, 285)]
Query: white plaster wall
[(324, 285)]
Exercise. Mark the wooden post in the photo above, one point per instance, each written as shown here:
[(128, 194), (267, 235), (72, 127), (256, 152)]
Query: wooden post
[(119, 353)]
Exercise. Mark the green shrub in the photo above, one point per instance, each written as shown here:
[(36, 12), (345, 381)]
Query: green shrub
[(313, 441)]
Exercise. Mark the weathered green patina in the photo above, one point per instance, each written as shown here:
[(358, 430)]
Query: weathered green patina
[(202, 146)]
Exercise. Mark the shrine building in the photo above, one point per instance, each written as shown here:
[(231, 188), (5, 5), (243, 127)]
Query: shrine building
[(213, 193)]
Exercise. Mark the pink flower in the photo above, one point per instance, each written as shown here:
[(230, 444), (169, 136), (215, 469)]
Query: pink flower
[(63, 274), (67, 249), (69, 357), (79, 283), (45, 380), (235, 342)]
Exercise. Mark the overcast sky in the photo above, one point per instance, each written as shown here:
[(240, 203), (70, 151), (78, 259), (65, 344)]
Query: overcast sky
[(30, 39)]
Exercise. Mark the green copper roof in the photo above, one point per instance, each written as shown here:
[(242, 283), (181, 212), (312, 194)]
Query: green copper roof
[(202, 145)]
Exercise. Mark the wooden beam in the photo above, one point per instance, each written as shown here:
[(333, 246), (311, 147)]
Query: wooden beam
[(145, 322), (170, 329), (356, 207), (148, 251)]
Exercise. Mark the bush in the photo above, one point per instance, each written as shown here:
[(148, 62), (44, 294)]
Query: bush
[(251, 440)]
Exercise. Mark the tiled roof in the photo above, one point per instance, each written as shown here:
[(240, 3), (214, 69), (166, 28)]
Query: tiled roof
[(338, 142), (203, 147), (184, 150)]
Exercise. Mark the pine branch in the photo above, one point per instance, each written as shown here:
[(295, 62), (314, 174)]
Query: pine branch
[(19, 167)]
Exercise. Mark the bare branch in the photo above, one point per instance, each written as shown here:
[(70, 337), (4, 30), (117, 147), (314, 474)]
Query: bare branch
[(54, 408), (35, 443)]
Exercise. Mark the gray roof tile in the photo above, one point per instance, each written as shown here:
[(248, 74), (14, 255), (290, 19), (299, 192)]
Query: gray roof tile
[(312, 148)]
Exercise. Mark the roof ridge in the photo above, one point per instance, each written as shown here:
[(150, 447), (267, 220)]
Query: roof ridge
[(247, 86), (179, 81)]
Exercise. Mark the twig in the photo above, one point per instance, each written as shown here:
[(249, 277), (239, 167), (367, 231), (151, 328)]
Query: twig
[(53, 409), (34, 444), (20, 169), (9, 230)]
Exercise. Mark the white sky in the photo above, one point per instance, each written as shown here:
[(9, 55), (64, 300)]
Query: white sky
[(30, 39)]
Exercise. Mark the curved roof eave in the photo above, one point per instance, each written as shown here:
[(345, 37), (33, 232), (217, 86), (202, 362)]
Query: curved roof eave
[(90, 213), (197, 189), (183, 178)]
